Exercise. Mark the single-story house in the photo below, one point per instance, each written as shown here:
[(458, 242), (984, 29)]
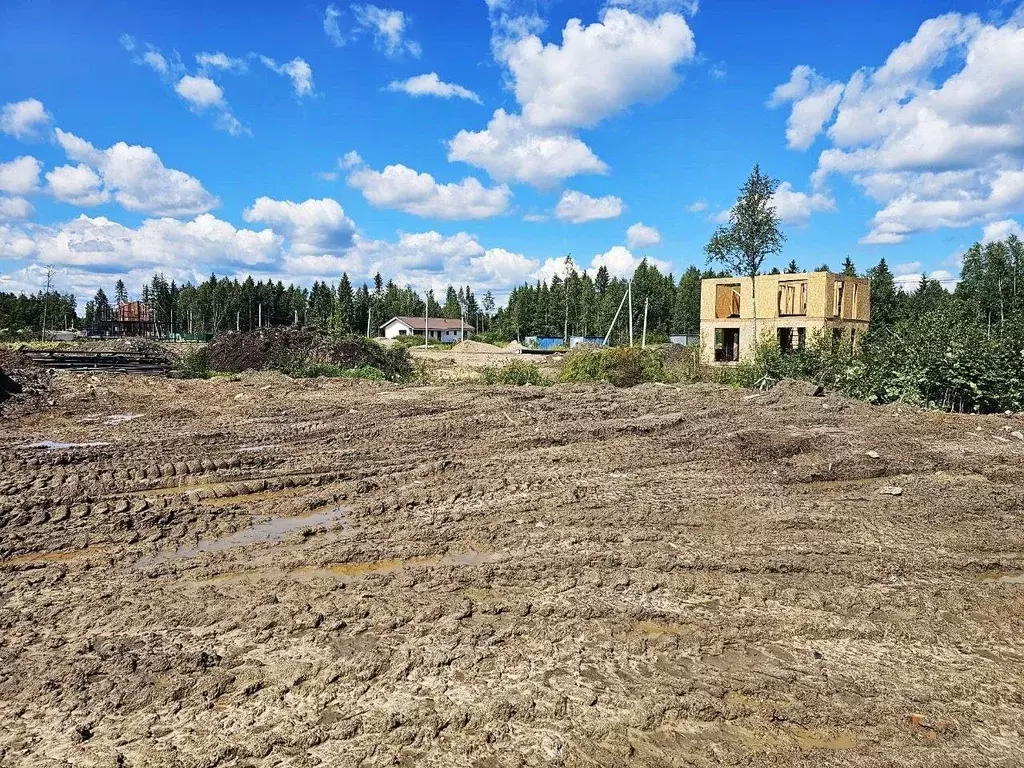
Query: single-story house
[(437, 328)]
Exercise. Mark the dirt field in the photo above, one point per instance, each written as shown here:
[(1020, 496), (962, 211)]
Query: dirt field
[(270, 572)]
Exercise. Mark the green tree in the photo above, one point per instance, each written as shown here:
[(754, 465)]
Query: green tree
[(752, 233)]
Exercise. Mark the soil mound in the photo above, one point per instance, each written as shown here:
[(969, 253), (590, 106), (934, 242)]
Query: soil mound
[(287, 349), (513, 346), (477, 347)]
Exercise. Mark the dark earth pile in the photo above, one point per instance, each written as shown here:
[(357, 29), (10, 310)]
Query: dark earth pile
[(289, 349)]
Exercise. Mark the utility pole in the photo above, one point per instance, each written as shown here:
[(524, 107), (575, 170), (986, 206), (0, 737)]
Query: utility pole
[(369, 315), (629, 292), (261, 314), (643, 343), (46, 300), (610, 327), (426, 319), (238, 321)]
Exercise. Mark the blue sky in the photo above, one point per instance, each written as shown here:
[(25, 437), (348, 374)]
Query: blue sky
[(481, 141)]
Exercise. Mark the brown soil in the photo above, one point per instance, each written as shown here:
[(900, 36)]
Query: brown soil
[(268, 572)]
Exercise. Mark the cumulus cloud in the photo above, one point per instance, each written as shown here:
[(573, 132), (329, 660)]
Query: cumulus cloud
[(23, 119), (599, 69), (200, 91), (76, 184), (16, 244), (814, 100), (640, 235), (13, 208), (794, 207), (99, 243), (20, 176), (1000, 230), (697, 207), (297, 70), (432, 85), (577, 207), (621, 262), (312, 226), (510, 150), (791, 207), (137, 179), (935, 133), (402, 188), (654, 7)]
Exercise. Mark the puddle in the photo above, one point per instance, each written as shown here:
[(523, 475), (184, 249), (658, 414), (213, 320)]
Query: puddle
[(1004, 577), (120, 418), (345, 570), (52, 445), (269, 532)]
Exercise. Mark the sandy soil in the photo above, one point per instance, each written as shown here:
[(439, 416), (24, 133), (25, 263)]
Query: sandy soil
[(270, 572)]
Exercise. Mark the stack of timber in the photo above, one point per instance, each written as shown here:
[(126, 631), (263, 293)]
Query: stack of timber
[(106, 362)]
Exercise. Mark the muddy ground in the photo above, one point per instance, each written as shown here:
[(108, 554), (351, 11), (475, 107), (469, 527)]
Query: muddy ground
[(269, 572)]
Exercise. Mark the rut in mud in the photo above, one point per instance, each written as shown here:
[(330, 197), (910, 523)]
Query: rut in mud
[(294, 573)]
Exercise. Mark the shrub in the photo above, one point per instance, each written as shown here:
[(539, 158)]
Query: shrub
[(291, 350), (194, 364), (621, 366), (517, 373)]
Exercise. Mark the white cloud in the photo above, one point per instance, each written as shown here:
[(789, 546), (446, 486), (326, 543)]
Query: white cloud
[(794, 207), (222, 61), (935, 134), (200, 91), (814, 101), (654, 7), (1000, 230), (402, 188), (12, 208), (297, 70), (599, 69), (331, 26), (431, 85), (137, 178), (388, 27), (15, 244), (509, 150), (910, 268), (641, 236), (350, 160), (22, 119), (697, 207), (78, 185), (577, 207), (20, 176), (313, 226), (127, 42), (155, 61), (621, 262), (99, 243)]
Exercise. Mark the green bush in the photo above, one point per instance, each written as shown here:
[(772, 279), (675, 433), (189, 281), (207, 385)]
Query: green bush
[(194, 364), (517, 373), (621, 366), (407, 342)]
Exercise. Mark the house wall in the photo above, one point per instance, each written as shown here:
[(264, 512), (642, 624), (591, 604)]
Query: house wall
[(394, 330), (821, 295)]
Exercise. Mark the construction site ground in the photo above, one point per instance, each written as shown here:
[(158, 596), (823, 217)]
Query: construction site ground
[(276, 572)]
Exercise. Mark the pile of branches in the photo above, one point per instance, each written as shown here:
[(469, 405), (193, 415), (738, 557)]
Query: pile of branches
[(292, 349)]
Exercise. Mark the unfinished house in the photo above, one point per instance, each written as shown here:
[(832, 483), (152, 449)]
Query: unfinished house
[(790, 309)]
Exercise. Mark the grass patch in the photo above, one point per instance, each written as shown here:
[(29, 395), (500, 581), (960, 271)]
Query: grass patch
[(517, 374), (332, 371)]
